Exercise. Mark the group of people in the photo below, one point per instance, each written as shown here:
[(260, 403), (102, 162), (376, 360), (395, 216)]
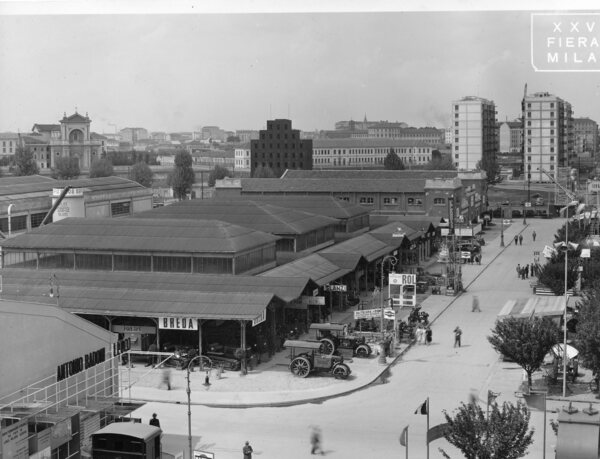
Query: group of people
[(523, 272), (423, 334)]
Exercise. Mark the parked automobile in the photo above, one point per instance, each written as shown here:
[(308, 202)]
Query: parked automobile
[(335, 338), (305, 358)]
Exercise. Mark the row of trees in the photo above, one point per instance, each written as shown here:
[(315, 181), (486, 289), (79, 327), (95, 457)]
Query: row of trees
[(438, 162)]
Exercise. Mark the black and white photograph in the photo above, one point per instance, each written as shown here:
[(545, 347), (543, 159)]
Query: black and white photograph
[(294, 229)]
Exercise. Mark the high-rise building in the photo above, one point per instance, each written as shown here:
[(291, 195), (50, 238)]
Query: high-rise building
[(279, 148), (474, 127), (510, 136), (586, 137), (547, 135)]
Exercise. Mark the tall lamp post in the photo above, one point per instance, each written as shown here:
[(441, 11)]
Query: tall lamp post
[(189, 404), (393, 260)]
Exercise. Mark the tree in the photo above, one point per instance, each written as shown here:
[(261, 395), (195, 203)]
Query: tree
[(25, 163), (142, 174), (264, 172), (182, 177), (66, 168), (441, 163), (101, 168), (393, 162), (490, 166), (525, 341), (505, 434), (578, 230), (587, 339), (218, 173), (552, 274)]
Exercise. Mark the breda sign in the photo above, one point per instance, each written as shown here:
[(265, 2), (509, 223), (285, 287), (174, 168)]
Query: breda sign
[(177, 323)]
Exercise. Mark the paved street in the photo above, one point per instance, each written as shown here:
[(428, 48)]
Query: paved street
[(367, 423)]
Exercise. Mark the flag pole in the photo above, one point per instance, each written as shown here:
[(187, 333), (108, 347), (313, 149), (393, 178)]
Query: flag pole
[(406, 442), (427, 436)]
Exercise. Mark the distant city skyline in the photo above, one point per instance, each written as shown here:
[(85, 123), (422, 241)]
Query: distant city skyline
[(181, 72)]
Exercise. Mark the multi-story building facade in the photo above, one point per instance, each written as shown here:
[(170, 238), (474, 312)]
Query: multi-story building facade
[(474, 121), (242, 158), (246, 135), (547, 135), (280, 148), (510, 136), (132, 135), (371, 152), (9, 142), (213, 133), (400, 131), (585, 137), (448, 135)]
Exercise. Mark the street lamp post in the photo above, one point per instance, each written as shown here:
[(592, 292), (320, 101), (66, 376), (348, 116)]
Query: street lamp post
[(9, 216), (501, 227), (189, 404), (393, 262)]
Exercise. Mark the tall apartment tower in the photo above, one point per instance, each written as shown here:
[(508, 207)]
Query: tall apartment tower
[(548, 136), (474, 126), (279, 147)]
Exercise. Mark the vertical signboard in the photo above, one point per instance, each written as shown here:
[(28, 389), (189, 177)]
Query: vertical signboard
[(14, 441), (402, 289)]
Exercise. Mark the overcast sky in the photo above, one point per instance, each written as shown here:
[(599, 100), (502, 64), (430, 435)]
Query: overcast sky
[(181, 72)]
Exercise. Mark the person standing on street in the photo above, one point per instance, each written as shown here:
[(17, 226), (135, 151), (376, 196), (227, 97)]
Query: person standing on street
[(527, 271), (247, 450), (428, 335), (166, 378), (531, 270), (516, 240), (457, 335), (315, 441), (154, 421), (475, 307), (520, 239), (533, 235), (518, 270)]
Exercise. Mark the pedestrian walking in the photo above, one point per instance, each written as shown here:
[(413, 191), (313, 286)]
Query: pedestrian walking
[(520, 239), (475, 307), (516, 239), (315, 441), (527, 271), (247, 450), (166, 378), (457, 336), (154, 421), (531, 269), (533, 235), (428, 335), (518, 270)]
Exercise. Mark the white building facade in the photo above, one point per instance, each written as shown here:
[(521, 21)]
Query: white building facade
[(371, 152), (242, 158), (474, 128), (547, 134)]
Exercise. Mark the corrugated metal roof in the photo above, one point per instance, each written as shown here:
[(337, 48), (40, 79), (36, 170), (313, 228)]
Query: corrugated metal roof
[(286, 288), (258, 215), (149, 303), (367, 174), (366, 245), (345, 260), (99, 184), (318, 268), (141, 235), (334, 185), (27, 184), (320, 205)]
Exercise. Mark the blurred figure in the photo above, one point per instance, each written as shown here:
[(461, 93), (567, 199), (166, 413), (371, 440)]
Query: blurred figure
[(315, 441), (166, 378), (475, 307), (457, 336)]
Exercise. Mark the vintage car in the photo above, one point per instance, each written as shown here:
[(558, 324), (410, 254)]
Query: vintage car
[(334, 338), (305, 358)]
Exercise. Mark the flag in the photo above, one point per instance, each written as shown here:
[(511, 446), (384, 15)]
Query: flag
[(404, 436), (548, 251), (423, 408), (492, 396), (536, 400)]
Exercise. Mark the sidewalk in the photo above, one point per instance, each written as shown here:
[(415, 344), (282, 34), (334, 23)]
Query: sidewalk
[(272, 384)]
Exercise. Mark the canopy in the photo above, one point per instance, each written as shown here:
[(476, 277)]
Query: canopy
[(558, 350), (539, 306)]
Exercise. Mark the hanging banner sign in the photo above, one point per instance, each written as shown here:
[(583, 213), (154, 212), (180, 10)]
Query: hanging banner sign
[(260, 319), (334, 288), (374, 314), (313, 300), (177, 323)]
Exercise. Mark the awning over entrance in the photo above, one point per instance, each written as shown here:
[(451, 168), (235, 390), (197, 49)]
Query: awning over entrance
[(316, 267), (539, 306)]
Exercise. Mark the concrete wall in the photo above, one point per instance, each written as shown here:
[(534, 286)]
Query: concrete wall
[(37, 338)]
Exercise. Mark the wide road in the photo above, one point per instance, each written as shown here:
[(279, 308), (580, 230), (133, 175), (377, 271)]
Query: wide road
[(367, 424)]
